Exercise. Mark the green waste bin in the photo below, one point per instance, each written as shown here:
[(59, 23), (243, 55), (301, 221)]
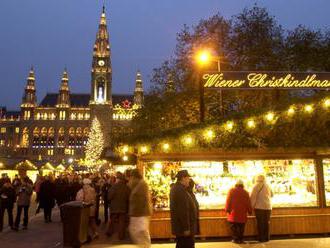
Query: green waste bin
[(75, 217)]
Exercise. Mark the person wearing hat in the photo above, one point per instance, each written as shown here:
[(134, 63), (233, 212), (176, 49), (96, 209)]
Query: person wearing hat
[(261, 202), (88, 195), (140, 209), (238, 206), (118, 197), (183, 212)]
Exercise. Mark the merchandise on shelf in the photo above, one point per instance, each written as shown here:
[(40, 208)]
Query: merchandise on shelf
[(293, 182)]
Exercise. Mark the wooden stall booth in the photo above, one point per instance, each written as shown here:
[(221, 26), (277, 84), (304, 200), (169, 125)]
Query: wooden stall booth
[(300, 181)]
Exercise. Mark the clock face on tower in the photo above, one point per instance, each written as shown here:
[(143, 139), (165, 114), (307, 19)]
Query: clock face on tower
[(101, 62)]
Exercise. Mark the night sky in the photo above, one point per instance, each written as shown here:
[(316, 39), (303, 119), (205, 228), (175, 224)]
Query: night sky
[(52, 34)]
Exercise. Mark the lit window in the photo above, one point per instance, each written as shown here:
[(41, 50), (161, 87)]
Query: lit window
[(2, 142), (50, 152), (3, 130), (17, 130)]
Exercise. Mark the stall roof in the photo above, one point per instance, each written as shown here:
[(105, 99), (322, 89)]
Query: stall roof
[(47, 166), (25, 165)]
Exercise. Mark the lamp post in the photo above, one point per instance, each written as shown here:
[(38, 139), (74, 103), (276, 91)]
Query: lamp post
[(204, 58)]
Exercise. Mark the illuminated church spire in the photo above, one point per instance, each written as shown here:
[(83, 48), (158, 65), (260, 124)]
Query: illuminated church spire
[(138, 92), (101, 65), (101, 80), (29, 97), (63, 99)]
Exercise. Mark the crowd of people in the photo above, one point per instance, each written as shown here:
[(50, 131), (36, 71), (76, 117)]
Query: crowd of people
[(126, 200)]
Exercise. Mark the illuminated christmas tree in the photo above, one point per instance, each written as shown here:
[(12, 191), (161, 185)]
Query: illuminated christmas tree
[(94, 144)]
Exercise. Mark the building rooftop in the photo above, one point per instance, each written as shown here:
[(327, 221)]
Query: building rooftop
[(81, 100)]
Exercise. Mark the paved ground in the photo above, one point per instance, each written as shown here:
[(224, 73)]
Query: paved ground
[(42, 235)]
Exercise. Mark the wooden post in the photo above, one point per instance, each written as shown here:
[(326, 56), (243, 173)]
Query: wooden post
[(320, 181)]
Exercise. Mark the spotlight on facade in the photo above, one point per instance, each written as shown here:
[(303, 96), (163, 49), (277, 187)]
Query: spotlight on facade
[(188, 140), (251, 123), (166, 147), (125, 149), (291, 111), (326, 103), (308, 108), (144, 149), (70, 160), (229, 125), (209, 134), (270, 116)]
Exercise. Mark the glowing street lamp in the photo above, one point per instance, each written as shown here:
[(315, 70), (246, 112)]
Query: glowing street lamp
[(204, 58)]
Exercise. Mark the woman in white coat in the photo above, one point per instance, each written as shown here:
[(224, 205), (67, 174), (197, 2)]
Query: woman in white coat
[(261, 203)]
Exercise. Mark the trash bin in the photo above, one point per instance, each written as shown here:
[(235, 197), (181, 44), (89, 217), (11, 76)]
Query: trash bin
[(75, 217)]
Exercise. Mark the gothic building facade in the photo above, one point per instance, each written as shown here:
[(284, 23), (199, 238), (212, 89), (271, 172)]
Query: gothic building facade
[(57, 128)]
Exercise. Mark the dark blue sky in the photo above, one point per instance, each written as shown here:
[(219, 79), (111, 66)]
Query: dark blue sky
[(52, 34)]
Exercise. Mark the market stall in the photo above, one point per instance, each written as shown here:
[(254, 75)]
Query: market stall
[(300, 181), (27, 168), (47, 169)]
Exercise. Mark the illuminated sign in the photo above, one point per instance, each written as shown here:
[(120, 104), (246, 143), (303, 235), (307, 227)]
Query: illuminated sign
[(266, 80)]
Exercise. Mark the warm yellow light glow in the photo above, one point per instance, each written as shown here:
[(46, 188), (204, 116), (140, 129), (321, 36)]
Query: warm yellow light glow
[(251, 123), (144, 149), (209, 134), (158, 166), (203, 57), (125, 158), (326, 103), (188, 140), (125, 149), (229, 125), (291, 111), (166, 146), (308, 108), (270, 116)]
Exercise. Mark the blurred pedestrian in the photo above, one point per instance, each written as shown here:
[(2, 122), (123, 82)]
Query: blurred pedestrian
[(105, 190), (261, 202), (183, 212), (87, 195), (140, 210), (238, 205), (47, 198), (24, 193), (7, 200), (119, 200)]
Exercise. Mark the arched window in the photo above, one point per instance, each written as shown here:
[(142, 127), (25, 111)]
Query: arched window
[(51, 140), (73, 116), (36, 135), (61, 137), (100, 90), (25, 137)]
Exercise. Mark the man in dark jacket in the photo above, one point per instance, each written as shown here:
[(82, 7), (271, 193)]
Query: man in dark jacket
[(7, 200), (183, 212), (118, 197), (47, 198)]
